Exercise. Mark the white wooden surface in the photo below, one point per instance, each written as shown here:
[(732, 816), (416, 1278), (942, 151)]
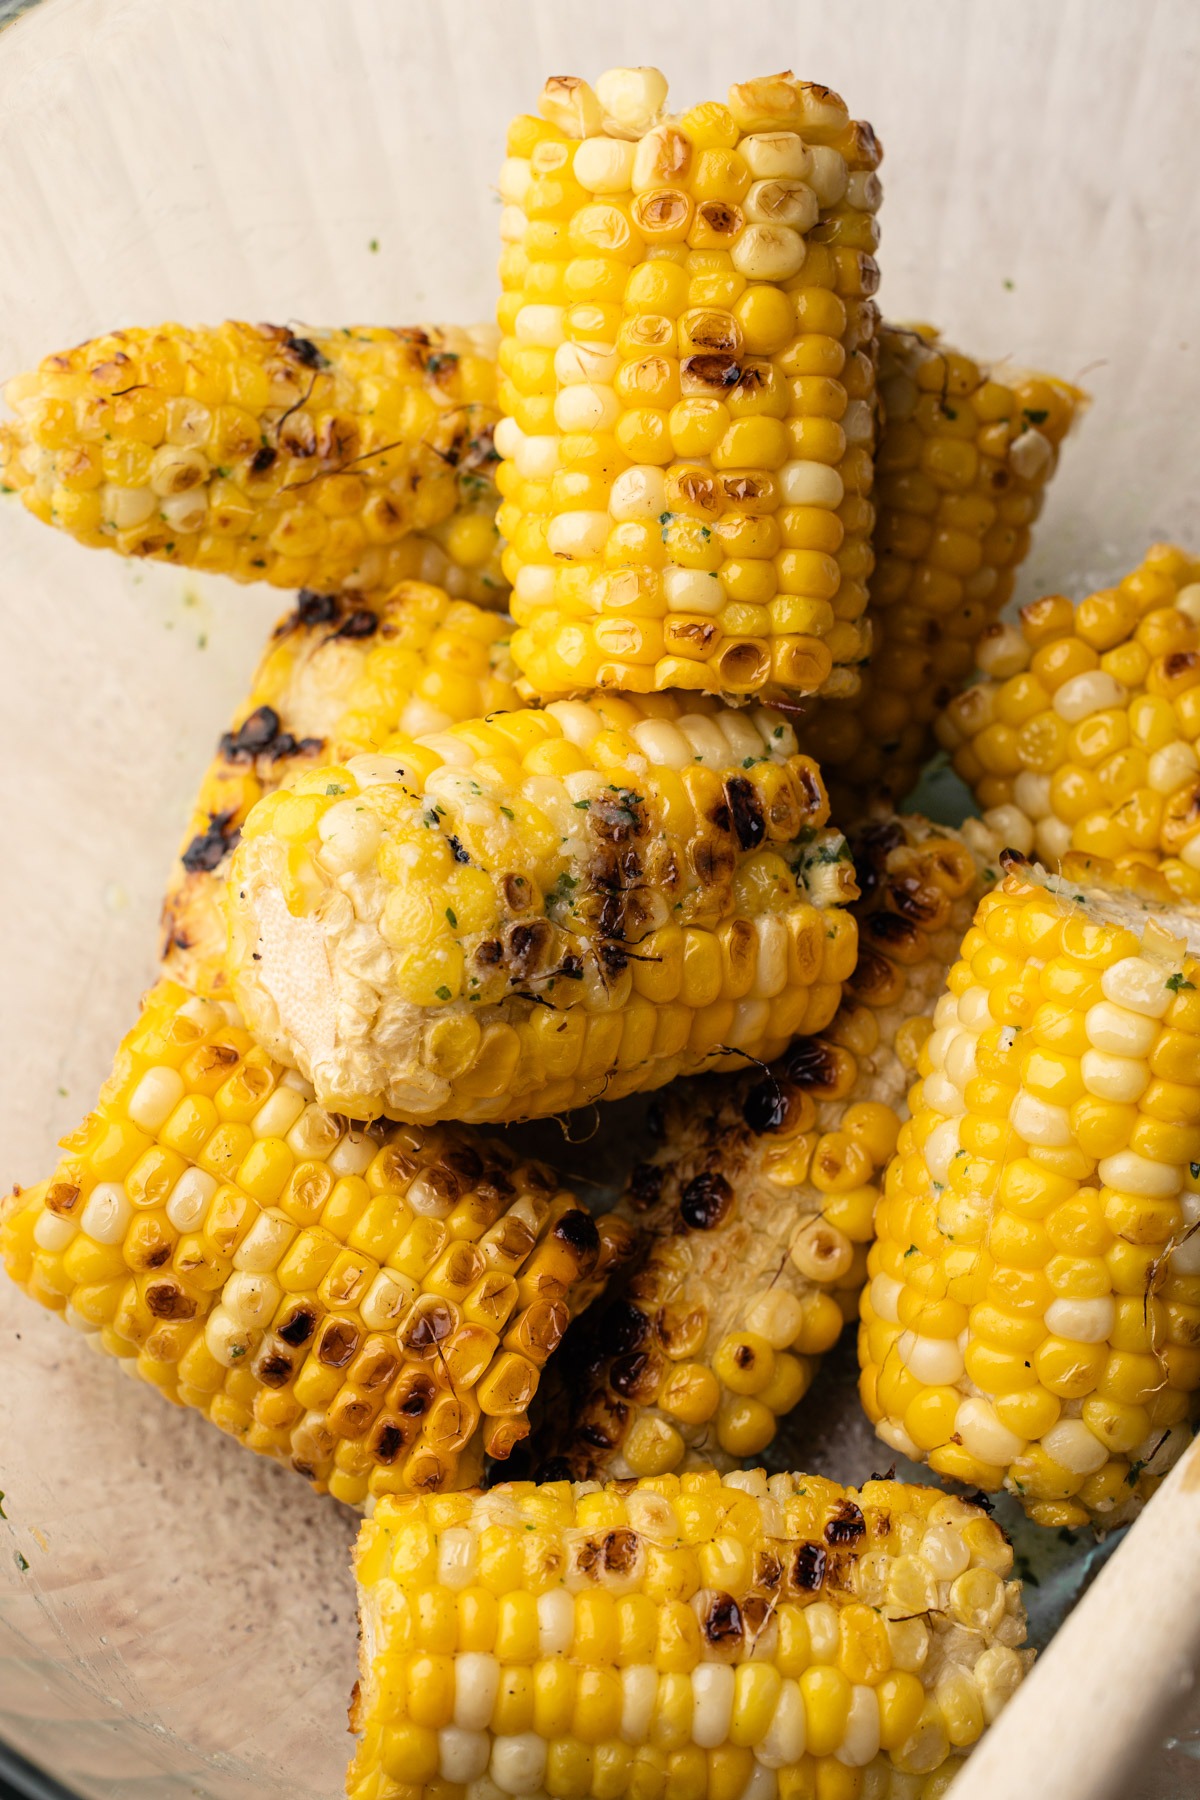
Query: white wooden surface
[(209, 158)]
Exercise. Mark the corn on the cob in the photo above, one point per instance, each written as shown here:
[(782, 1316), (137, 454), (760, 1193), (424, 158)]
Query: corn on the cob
[(527, 913), (689, 1638), (372, 1306), (1033, 1314), (1085, 735), (758, 1206), (253, 452), (339, 678), (965, 455), (688, 384)]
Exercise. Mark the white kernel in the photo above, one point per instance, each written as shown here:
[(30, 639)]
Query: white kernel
[(540, 325), (632, 99), (514, 179), (463, 1755), (1130, 1173), (693, 591), (354, 1154), (860, 1737), (942, 1550), (586, 407), (776, 156), (885, 1298), (706, 739), (768, 252), (787, 1735), (1053, 840), (507, 437), (1002, 651), (1073, 1447), (350, 835), (998, 1673), (639, 1701), (864, 190), (127, 508), (53, 1232), (777, 1316), (250, 1299), (227, 1342), (578, 722), (1082, 1321), (740, 733), (638, 493), (1029, 454), (1190, 854), (476, 1684), (664, 746), (579, 536), (827, 174), (771, 969), (943, 1096), (750, 1021), (1123, 1078), (712, 1704), (1086, 694), (518, 1763), (534, 585), (604, 165), (655, 159), (1172, 766), (381, 771), (457, 1555), (896, 1438), (574, 363), (155, 1098), (823, 1631), (941, 1147), (1039, 1122), (962, 1058), (1116, 1029), (189, 1198), (175, 471), (537, 457), (810, 484), (278, 1113), (983, 1436), (556, 1622), (781, 202), (935, 1361), (1032, 794), (513, 225), (858, 422), (263, 1246), (1011, 826), (1187, 600), (106, 1213), (570, 103), (1139, 984), (387, 1299), (185, 512)]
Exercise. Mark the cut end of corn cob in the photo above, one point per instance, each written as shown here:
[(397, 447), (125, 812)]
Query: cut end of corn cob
[(687, 374), (372, 1306), (689, 1638), (251, 451), (965, 456), (342, 674), (1032, 1319), (1085, 733), (532, 912), (756, 1210)]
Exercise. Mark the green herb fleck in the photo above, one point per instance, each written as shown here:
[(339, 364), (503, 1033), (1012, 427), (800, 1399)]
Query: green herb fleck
[(1035, 415), (334, 788), (443, 993), (3, 1514), (452, 916), (373, 245), (508, 812), (236, 1350), (202, 641), (21, 1563), (911, 1251), (64, 1092), (1177, 982), (5, 489), (748, 762), (582, 805), (1010, 285)]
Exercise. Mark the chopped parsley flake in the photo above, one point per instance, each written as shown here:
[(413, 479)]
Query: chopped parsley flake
[(443, 993), (451, 915), (508, 812), (1035, 415), (582, 805), (1178, 981)]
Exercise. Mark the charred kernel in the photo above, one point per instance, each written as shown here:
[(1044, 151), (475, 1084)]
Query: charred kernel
[(624, 1328), (299, 1328), (577, 1230), (705, 1201), (846, 1526), (807, 1571), (255, 734), (209, 848), (746, 811), (813, 1063), (722, 1624), (316, 609), (765, 1107), (646, 1183)]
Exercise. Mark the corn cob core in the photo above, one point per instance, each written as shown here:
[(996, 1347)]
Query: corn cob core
[(687, 1636), (372, 1306), (688, 384), (527, 913), (965, 455), (757, 1208), (342, 673), (1085, 734), (253, 452), (1033, 1314)]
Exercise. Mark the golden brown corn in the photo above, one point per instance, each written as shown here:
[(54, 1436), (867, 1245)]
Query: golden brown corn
[(757, 1208), (372, 1306), (1084, 735), (250, 451), (689, 1638), (541, 909), (688, 384), (339, 678), (965, 455), (1033, 1314)]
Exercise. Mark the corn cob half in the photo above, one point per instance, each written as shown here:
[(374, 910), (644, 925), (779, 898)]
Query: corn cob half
[(250, 451), (1085, 734), (372, 1306), (688, 384), (689, 1638), (1033, 1314), (338, 679), (527, 913), (965, 456), (757, 1208)]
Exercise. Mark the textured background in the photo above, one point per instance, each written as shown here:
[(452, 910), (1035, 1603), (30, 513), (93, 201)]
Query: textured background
[(185, 1623)]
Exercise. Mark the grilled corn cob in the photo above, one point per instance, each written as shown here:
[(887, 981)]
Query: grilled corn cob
[(372, 1306), (965, 455), (1033, 1314), (524, 914), (1085, 734), (252, 452), (688, 384), (757, 1208), (689, 1638), (339, 678)]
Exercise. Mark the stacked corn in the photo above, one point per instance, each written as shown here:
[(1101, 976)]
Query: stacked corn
[(338, 678), (1033, 1314), (305, 461), (965, 455), (681, 1639), (1084, 734), (537, 910), (688, 384), (372, 1306), (756, 1210)]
